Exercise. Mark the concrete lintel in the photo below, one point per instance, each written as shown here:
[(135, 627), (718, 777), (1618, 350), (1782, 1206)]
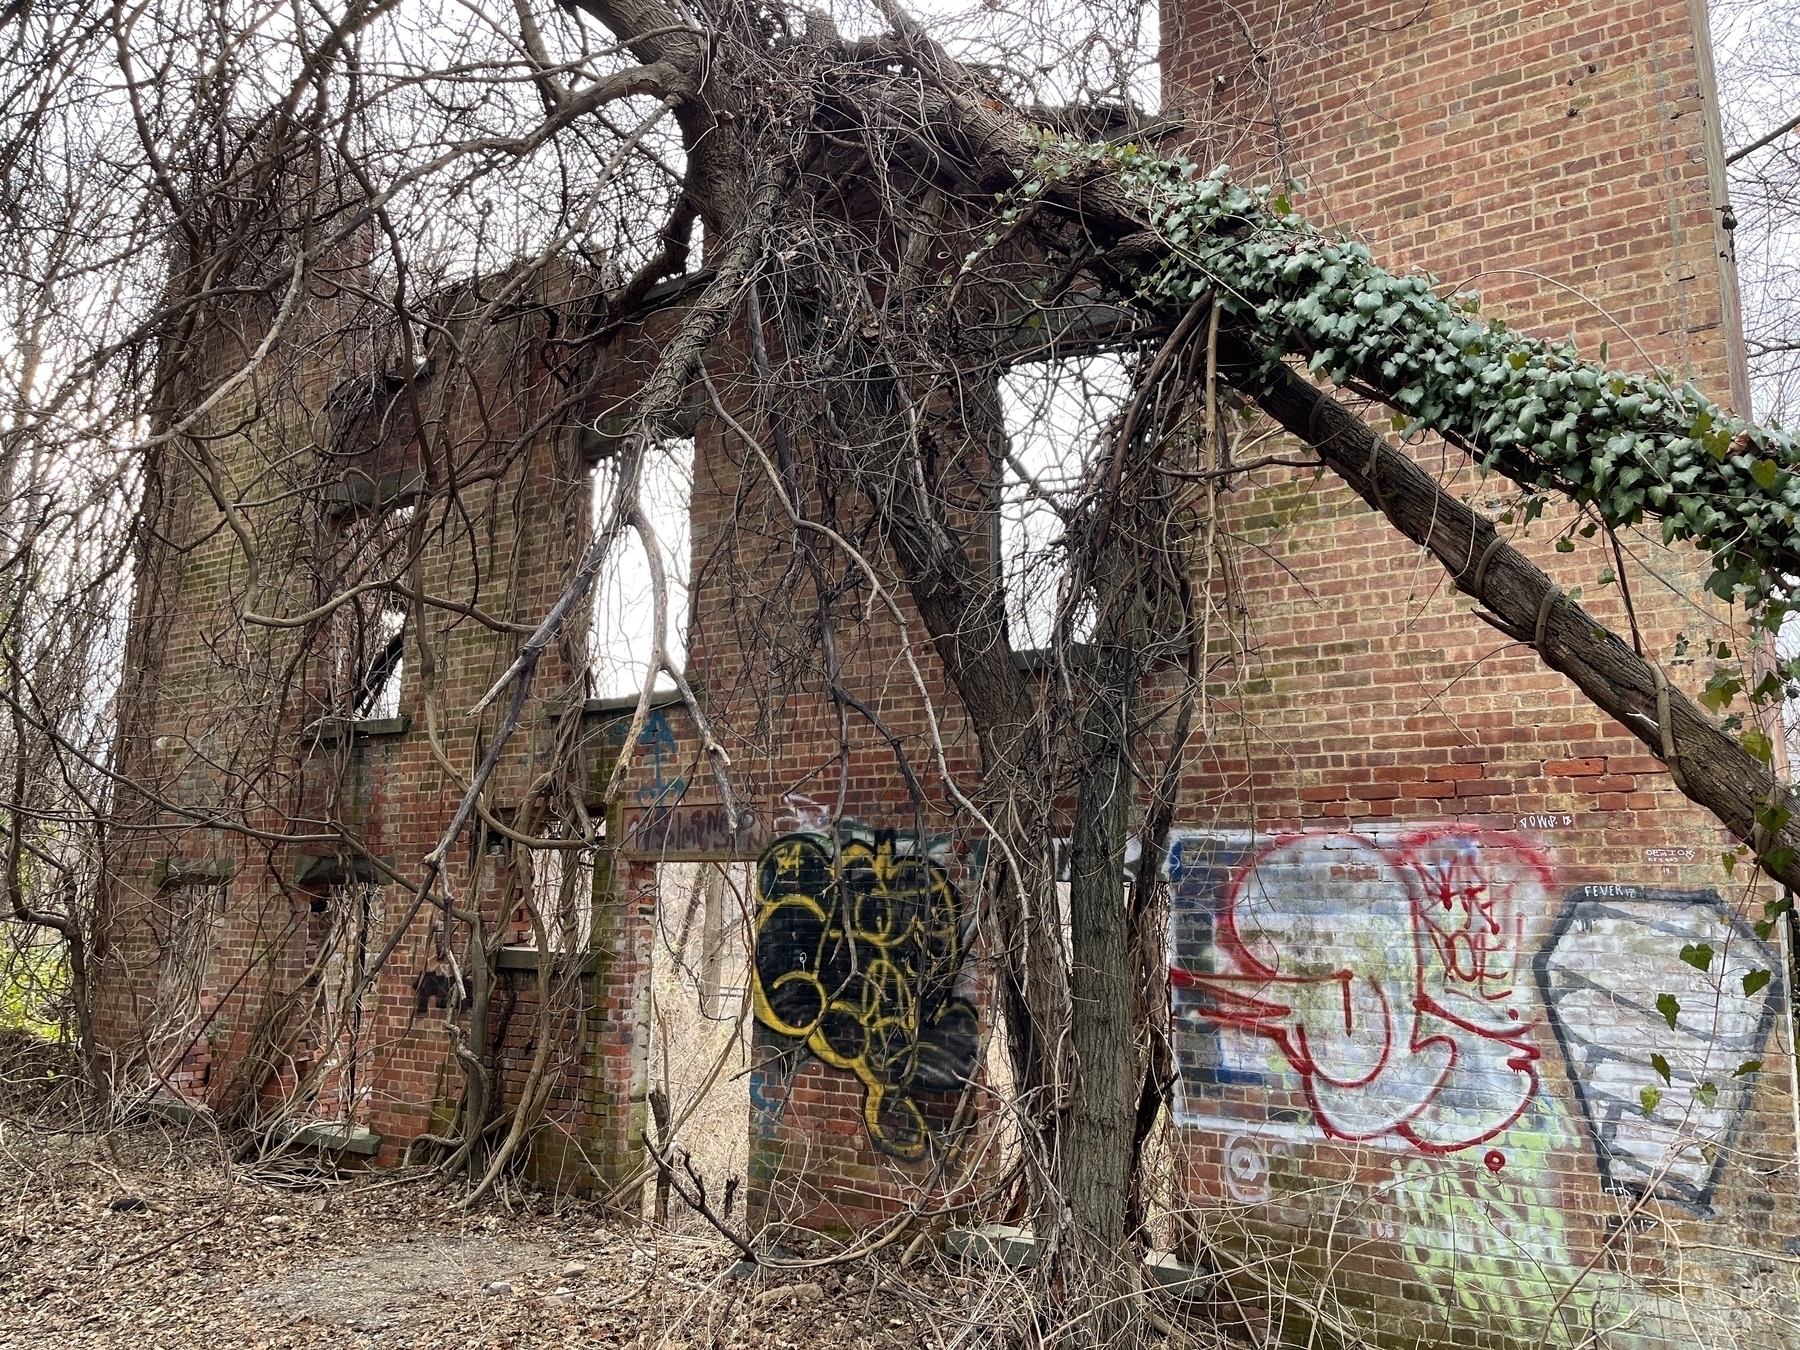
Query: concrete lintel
[(615, 709), (312, 869), (334, 1136), (178, 1109), (1018, 1249), (1013, 1247), (359, 493), (333, 730), (1176, 1278), (526, 959), (193, 871)]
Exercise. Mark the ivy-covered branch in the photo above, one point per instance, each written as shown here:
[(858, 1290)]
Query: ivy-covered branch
[(1708, 766), (1632, 446)]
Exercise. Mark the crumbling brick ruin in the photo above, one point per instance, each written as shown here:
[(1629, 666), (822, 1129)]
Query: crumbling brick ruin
[(1469, 887)]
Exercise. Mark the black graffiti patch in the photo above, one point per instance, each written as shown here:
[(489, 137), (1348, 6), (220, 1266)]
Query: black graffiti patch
[(858, 952)]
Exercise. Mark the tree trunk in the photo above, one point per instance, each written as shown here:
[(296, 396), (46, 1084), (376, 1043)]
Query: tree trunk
[(1099, 1144), (1098, 1140), (712, 939)]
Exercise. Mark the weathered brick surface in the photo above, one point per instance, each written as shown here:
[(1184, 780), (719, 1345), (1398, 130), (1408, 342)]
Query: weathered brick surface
[(1448, 838), (221, 718), (1425, 896)]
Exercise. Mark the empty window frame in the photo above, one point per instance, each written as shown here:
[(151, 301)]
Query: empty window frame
[(366, 635), (349, 934), (1057, 413), (622, 631), (185, 919), (560, 884)]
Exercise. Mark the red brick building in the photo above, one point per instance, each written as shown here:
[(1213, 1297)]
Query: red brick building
[(1486, 1167), (1424, 897)]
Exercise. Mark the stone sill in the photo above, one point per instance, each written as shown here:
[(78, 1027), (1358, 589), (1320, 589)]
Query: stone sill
[(1017, 1249), (193, 872), (526, 958), (614, 709), (334, 1137), (336, 730), (330, 1135), (178, 1110)]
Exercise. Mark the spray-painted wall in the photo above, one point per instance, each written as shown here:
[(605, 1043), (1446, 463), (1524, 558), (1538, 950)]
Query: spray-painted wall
[(865, 992), (1488, 1104)]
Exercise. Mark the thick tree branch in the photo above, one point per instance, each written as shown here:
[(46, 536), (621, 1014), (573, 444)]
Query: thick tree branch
[(1709, 767), (1768, 139)]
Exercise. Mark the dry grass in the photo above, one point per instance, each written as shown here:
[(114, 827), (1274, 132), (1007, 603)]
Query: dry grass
[(151, 1238)]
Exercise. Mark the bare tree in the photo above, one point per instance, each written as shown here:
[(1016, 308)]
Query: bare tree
[(1758, 48), (878, 229)]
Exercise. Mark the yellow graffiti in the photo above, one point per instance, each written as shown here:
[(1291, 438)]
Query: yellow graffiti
[(858, 951)]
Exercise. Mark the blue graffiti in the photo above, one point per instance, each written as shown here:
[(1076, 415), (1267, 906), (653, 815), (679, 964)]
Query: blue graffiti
[(664, 787)]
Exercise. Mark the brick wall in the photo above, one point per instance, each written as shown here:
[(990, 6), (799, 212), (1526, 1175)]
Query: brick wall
[(234, 719), (1427, 898), (257, 808), (1424, 897)]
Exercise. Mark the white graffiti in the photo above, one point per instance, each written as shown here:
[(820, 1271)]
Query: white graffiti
[(1616, 952), (1391, 977), (1246, 1169)]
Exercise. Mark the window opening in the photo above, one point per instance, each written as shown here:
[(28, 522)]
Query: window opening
[(560, 882), (348, 936), (378, 689), (622, 630), (368, 633), (189, 917), (1057, 414), (699, 975)]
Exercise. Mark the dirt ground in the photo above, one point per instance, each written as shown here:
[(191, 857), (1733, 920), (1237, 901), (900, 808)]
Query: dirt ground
[(148, 1238), (151, 1237)]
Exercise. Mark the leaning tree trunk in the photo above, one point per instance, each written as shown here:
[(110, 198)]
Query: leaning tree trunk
[(1709, 767)]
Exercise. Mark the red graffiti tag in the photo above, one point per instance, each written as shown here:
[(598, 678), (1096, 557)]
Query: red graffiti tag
[(1391, 974)]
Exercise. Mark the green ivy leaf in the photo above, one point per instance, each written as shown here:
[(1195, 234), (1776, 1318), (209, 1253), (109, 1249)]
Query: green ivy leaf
[(1661, 1065), (1721, 688), (1699, 956), (1630, 446), (1747, 1068), (1708, 1095), (1565, 546), (1669, 1007), (1758, 744), (1755, 981), (1649, 1098)]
